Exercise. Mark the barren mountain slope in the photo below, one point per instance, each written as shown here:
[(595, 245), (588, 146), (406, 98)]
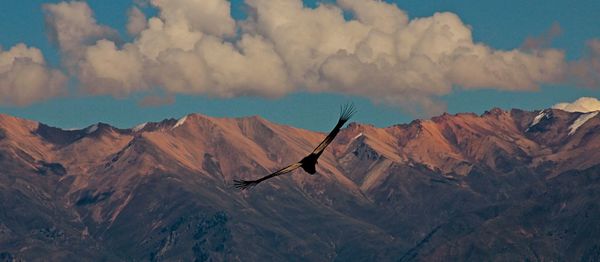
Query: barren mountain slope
[(505, 185)]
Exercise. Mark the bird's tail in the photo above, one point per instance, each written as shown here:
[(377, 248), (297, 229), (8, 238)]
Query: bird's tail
[(245, 184)]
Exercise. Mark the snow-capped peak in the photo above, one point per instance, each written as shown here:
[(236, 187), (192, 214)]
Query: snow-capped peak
[(139, 127), (580, 121), (91, 129), (180, 122), (582, 105)]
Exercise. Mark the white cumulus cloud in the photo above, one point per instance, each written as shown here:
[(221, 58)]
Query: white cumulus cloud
[(181, 50), (71, 26), (384, 56), (586, 71), (136, 21), (25, 78), (196, 47)]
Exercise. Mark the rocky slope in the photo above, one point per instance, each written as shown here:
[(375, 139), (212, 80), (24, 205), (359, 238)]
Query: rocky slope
[(514, 185)]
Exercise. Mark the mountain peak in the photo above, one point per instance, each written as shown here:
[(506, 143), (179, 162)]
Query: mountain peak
[(496, 111), (166, 185)]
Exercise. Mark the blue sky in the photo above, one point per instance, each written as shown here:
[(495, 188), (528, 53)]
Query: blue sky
[(502, 25)]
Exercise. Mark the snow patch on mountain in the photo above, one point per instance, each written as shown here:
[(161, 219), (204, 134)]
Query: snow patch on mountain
[(583, 105), (91, 129), (180, 122), (139, 127), (357, 136), (537, 119), (580, 121)]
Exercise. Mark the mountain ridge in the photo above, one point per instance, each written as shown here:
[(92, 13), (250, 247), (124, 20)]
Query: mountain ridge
[(451, 186)]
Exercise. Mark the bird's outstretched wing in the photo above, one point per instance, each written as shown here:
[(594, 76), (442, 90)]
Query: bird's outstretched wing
[(346, 113), (245, 184)]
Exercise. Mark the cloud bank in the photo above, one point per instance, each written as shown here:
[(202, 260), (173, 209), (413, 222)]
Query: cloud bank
[(196, 47), (584, 105), (25, 78), (586, 71)]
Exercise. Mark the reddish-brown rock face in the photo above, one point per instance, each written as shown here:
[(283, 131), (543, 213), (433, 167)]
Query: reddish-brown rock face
[(504, 185)]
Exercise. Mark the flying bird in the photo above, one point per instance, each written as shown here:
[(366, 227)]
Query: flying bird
[(309, 162)]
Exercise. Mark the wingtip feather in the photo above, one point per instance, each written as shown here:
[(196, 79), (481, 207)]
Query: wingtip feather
[(244, 184), (347, 111)]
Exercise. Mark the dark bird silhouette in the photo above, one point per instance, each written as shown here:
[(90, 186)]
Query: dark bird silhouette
[(309, 162)]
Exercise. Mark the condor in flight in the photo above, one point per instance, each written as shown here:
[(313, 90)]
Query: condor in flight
[(307, 163)]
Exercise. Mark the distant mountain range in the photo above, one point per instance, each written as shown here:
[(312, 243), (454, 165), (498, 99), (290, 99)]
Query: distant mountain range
[(508, 186)]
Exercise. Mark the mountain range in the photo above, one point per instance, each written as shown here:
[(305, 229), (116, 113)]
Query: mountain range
[(503, 185)]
